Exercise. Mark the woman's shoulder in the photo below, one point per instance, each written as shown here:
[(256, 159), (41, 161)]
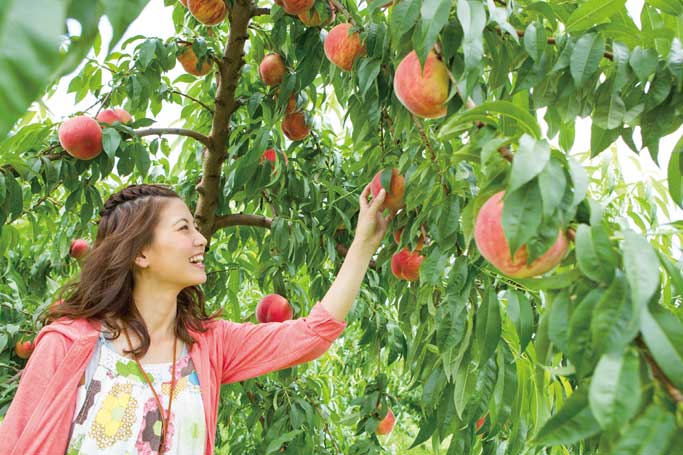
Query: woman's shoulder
[(70, 329)]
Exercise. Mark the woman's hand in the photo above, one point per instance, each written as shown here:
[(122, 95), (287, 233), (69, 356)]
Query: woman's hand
[(372, 225)]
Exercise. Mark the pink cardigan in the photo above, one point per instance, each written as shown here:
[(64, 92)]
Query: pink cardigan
[(39, 418)]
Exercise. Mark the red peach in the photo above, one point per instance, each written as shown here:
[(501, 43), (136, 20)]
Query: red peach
[(295, 7), (110, 116), (420, 241), (23, 349), (405, 265), (395, 192), (387, 423), (79, 248), (81, 137), (493, 245), (273, 308), (272, 69), (188, 59), (342, 48), (208, 12), (271, 155), (422, 92), (311, 17), (295, 126)]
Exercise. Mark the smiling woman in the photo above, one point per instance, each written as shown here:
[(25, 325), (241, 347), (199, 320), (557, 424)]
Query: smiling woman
[(102, 393)]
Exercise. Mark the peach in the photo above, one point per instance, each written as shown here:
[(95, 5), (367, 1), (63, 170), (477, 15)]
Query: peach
[(405, 265), (480, 423), (311, 17), (295, 7), (271, 155), (81, 137), (492, 244), (342, 48), (291, 104), (24, 349), (272, 69), (78, 248), (395, 190), (109, 116), (387, 423), (422, 91), (188, 59), (295, 126), (208, 12), (273, 308), (420, 241)]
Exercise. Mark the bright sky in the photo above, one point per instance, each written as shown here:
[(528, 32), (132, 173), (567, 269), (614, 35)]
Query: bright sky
[(156, 20)]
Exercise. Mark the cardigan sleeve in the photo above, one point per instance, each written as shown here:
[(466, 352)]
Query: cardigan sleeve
[(250, 350), (49, 352)]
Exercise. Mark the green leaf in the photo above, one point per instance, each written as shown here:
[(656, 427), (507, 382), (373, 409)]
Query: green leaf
[(614, 323), (673, 7), (571, 424), (663, 335), (642, 268), (30, 33), (601, 139), (275, 444), (521, 315), (434, 17), (488, 113), (472, 18), (535, 40), (643, 62), (593, 12), (427, 428), (560, 313), (522, 211), (675, 173), (111, 139), (488, 326), (579, 179), (403, 16), (580, 349), (529, 161), (120, 15), (553, 183), (615, 389), (586, 56), (594, 254), (648, 435), (675, 60), (609, 109)]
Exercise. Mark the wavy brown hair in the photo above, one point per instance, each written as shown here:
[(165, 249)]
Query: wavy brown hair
[(104, 290)]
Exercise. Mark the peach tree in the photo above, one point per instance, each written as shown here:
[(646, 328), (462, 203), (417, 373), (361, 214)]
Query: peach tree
[(530, 299)]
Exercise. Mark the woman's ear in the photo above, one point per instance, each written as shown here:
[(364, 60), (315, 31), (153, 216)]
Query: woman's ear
[(141, 260)]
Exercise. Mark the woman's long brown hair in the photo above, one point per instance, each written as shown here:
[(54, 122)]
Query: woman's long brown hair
[(104, 290)]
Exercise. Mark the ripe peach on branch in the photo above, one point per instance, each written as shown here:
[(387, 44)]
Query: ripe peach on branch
[(493, 245)]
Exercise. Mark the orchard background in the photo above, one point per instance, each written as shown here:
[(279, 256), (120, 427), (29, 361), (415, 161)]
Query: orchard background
[(586, 359)]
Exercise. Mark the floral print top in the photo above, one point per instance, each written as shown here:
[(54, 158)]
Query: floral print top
[(117, 412)]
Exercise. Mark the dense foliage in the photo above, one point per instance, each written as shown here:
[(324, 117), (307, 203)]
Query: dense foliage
[(586, 359)]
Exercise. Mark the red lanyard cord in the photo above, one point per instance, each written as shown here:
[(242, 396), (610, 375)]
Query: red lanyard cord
[(164, 421)]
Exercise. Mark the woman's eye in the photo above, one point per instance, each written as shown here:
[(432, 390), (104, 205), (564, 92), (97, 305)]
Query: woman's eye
[(184, 227)]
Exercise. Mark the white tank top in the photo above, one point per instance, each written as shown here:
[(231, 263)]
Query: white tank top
[(116, 412)]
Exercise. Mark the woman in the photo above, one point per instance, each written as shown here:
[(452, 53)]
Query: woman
[(87, 389)]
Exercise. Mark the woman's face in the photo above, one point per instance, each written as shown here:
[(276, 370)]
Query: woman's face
[(175, 257)]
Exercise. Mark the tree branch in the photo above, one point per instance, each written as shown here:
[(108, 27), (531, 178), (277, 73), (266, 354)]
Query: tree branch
[(553, 41), (229, 67), (657, 372), (240, 219), (260, 12), (178, 92), (177, 131)]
